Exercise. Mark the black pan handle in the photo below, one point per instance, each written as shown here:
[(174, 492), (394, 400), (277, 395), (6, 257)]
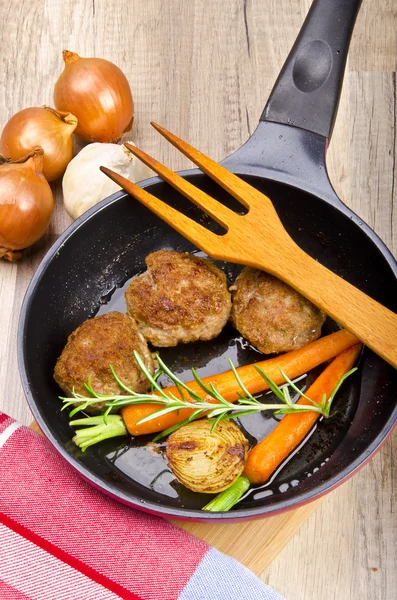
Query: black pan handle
[(306, 93)]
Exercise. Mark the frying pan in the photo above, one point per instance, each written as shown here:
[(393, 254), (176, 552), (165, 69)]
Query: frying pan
[(88, 268)]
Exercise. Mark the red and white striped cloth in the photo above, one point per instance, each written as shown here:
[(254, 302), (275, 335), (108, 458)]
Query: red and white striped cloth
[(62, 540)]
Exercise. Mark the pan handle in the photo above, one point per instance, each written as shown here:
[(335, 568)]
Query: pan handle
[(306, 93)]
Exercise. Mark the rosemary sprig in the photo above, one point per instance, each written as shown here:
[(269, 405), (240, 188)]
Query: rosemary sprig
[(217, 408)]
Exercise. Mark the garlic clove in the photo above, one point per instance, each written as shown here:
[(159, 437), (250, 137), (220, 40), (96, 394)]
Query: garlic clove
[(84, 185)]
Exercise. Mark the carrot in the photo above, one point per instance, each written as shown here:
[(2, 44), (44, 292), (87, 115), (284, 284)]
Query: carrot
[(265, 457), (293, 364)]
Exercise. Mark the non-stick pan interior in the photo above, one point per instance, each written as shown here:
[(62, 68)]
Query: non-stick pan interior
[(85, 274)]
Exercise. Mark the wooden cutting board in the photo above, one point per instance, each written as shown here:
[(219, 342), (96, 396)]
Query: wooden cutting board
[(253, 543)]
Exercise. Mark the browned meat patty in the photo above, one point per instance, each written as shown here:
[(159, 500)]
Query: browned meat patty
[(109, 339), (180, 298), (271, 315)]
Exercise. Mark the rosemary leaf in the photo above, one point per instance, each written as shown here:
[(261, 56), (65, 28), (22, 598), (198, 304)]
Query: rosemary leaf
[(240, 414), (287, 397), (216, 421), (176, 380), (240, 382), (296, 389), (272, 386), (121, 384), (159, 413), (216, 412), (341, 380), (215, 394), (147, 374), (196, 414), (201, 382)]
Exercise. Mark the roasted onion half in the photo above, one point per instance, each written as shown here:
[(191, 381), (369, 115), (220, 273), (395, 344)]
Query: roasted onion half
[(206, 461)]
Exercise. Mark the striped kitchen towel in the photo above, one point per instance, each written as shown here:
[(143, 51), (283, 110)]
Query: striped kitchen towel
[(60, 539)]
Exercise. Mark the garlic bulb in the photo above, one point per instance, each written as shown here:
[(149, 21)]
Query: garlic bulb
[(84, 185)]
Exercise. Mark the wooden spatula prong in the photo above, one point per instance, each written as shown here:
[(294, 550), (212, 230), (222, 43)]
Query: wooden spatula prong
[(200, 236), (234, 185), (218, 211)]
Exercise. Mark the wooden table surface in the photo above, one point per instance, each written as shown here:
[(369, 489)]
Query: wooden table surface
[(204, 69)]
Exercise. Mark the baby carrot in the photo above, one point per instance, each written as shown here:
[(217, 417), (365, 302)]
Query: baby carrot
[(265, 457), (293, 364)]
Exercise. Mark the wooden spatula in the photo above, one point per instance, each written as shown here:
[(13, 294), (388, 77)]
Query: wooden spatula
[(258, 239)]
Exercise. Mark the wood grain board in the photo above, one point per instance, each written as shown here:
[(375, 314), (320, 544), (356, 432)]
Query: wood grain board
[(204, 69)]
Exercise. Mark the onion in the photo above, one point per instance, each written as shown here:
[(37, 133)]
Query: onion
[(206, 461), (44, 127), (26, 203), (98, 93)]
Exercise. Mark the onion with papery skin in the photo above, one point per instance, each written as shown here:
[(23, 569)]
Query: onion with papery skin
[(26, 203), (98, 93), (45, 127), (206, 461)]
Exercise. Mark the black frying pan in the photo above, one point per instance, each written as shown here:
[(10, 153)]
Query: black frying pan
[(86, 269)]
